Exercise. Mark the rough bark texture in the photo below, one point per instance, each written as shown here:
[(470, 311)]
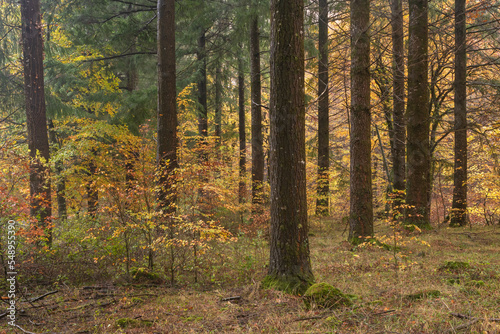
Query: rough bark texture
[(202, 86), (257, 146), (38, 141), (398, 108), (241, 122), (92, 191), (459, 206), (361, 207), (323, 187), (167, 111), (289, 264), (417, 113)]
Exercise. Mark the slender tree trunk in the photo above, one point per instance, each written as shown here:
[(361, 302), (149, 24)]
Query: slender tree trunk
[(361, 207), (241, 121), (289, 263), (398, 109), (459, 206), (38, 142), (323, 187), (202, 86), (417, 113), (256, 101), (218, 106), (60, 179), (92, 189)]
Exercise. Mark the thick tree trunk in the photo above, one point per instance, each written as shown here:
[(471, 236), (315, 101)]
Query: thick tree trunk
[(398, 109), (38, 141), (459, 206), (323, 187), (418, 151), (241, 121), (361, 207), (289, 264), (256, 101), (167, 106), (92, 191)]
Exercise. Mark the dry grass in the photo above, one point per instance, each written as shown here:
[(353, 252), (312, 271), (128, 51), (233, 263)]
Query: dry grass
[(383, 289)]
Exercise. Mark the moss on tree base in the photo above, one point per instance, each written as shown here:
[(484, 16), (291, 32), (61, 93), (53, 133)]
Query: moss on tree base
[(291, 284)]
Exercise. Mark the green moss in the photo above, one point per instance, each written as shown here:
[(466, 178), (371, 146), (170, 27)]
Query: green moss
[(424, 294), (455, 266), (144, 274), (323, 295), (292, 284), (475, 283), (453, 281)]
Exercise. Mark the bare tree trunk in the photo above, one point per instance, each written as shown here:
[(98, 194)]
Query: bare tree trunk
[(398, 109), (218, 106), (202, 86), (241, 121), (418, 151), (38, 142), (323, 185), (257, 139), (361, 207), (289, 263), (459, 206)]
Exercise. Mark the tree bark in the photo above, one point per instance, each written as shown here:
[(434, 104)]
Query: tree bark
[(289, 263), (38, 142), (218, 107), (167, 107), (417, 113), (398, 108), (92, 191), (202, 86), (241, 121), (361, 207), (323, 185), (459, 206), (256, 110)]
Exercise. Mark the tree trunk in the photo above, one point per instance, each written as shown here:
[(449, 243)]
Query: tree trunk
[(60, 179), (289, 263), (38, 141), (398, 109), (323, 185), (167, 106), (361, 207), (459, 206), (218, 107), (92, 191), (241, 120), (202, 86), (418, 152), (256, 110)]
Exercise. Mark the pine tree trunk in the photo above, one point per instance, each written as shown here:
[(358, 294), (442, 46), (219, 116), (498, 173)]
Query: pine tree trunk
[(289, 264), (398, 109), (202, 86), (256, 101), (418, 152), (323, 186), (218, 106), (241, 121), (459, 206), (361, 207), (167, 107), (38, 142)]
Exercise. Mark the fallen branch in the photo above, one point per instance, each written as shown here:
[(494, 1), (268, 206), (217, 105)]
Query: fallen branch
[(43, 296), (467, 325), (228, 299), (463, 316), (23, 330)]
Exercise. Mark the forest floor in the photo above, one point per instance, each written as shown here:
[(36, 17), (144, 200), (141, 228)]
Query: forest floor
[(440, 281)]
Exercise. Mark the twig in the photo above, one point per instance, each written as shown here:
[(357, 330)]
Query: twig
[(228, 299), (454, 330), (463, 316), (384, 312), (43, 296), (23, 330), (3, 315)]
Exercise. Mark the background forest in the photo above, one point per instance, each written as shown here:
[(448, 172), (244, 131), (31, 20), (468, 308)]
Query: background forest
[(138, 186)]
